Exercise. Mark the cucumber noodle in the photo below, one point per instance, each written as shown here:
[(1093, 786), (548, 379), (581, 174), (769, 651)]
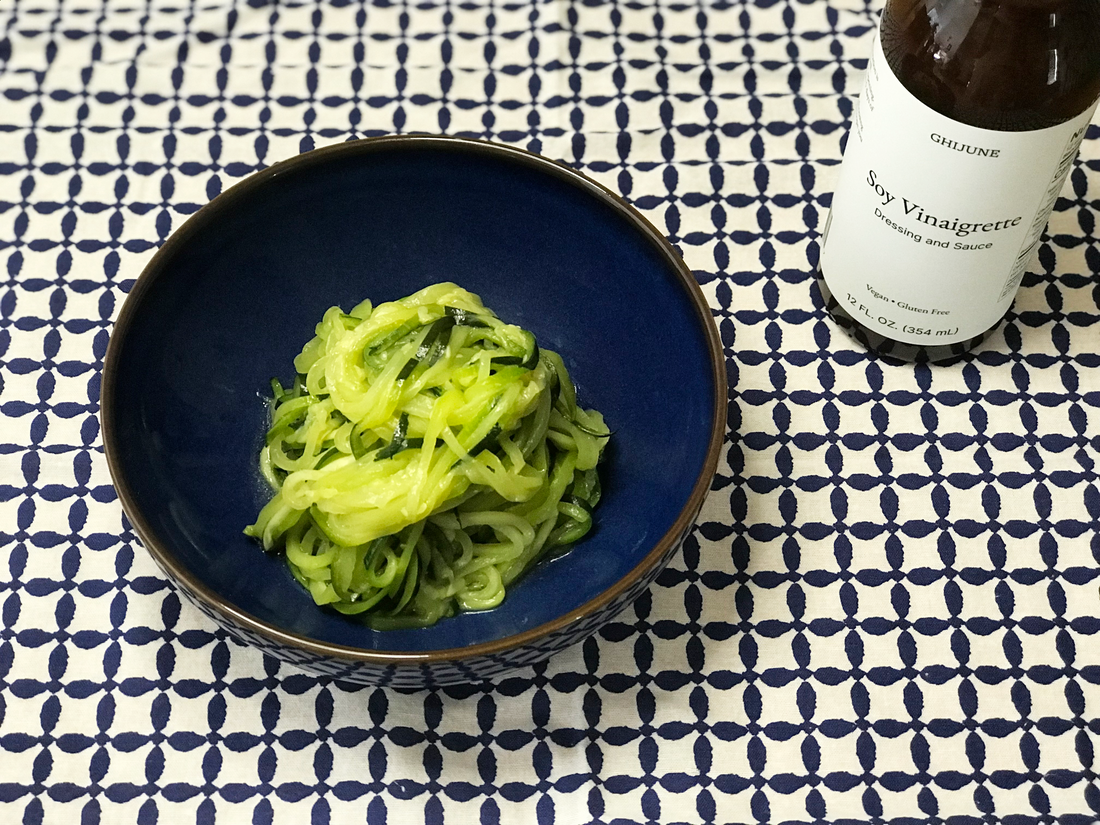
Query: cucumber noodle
[(427, 454)]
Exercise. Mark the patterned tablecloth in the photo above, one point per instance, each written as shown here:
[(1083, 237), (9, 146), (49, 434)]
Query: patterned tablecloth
[(888, 611)]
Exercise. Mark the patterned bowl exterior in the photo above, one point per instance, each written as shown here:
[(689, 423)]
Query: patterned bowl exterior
[(432, 672), (676, 434)]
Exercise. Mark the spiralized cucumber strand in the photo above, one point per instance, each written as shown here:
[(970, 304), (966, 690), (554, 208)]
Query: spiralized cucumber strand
[(426, 455)]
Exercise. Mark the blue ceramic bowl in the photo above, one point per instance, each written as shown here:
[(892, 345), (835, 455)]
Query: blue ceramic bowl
[(234, 294)]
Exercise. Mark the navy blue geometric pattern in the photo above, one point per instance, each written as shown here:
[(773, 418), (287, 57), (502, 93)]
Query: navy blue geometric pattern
[(888, 612)]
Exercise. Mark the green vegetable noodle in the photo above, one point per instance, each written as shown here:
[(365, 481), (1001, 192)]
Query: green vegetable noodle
[(426, 455)]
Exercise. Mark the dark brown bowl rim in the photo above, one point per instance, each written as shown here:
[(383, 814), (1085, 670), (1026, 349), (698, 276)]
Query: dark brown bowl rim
[(214, 600)]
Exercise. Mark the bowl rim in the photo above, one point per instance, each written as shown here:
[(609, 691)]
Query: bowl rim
[(159, 549)]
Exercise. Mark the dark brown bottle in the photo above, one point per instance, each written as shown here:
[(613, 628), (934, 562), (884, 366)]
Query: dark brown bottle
[(971, 116)]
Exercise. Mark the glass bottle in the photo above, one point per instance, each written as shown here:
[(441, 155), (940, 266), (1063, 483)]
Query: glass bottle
[(971, 114)]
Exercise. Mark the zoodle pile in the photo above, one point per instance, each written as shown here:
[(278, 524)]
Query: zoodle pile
[(426, 455)]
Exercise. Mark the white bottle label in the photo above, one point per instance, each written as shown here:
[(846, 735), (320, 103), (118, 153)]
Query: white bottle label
[(934, 222)]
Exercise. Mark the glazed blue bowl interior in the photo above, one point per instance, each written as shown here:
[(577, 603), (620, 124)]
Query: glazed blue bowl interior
[(236, 293)]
